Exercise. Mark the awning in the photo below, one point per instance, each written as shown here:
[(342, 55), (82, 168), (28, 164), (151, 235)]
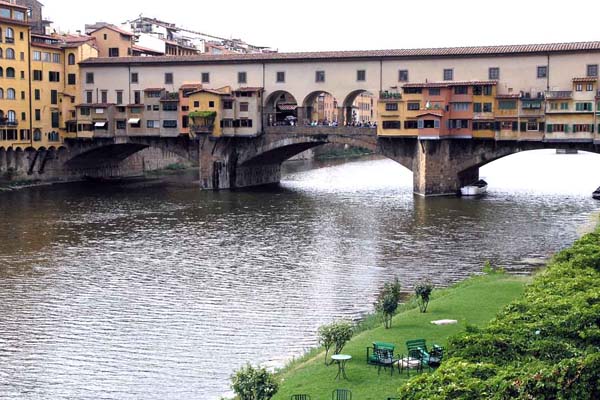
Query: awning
[(100, 124), (133, 121)]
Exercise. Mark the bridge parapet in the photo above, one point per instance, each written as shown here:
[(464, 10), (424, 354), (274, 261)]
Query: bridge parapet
[(321, 130)]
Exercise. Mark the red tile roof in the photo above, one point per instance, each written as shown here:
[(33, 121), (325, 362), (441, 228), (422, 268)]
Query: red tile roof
[(394, 54), (190, 86), (115, 29), (146, 50), (447, 84)]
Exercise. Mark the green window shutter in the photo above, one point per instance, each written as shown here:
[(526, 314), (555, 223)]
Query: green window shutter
[(523, 126), (592, 128), (515, 126), (549, 128), (566, 128)]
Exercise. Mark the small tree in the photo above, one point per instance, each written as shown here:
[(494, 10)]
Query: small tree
[(251, 383), (387, 301), (423, 291), (335, 335)]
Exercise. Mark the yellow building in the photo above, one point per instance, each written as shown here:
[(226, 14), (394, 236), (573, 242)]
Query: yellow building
[(15, 121), (76, 48), (483, 111), (226, 112), (571, 114), (47, 82), (206, 110), (389, 114)]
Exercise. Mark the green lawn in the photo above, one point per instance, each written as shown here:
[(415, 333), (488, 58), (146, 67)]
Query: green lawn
[(475, 302)]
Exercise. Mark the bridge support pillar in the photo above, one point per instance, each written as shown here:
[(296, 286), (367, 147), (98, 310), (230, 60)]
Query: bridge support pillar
[(436, 170)]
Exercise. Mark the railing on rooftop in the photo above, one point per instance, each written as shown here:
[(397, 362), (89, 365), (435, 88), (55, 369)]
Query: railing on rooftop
[(386, 95)]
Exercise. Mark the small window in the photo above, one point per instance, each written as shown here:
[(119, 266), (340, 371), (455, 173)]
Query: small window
[(390, 125), (448, 74), (280, 77), (71, 59), (391, 107), (243, 107), (592, 70), (168, 78), (589, 87), (242, 77), (53, 97), (54, 76), (494, 73), (170, 123), (104, 96), (134, 77), (434, 91), (119, 97), (196, 104), (211, 104), (88, 96), (320, 76), (72, 79), (38, 115), (113, 52), (37, 94), (10, 54), (403, 75), (542, 71), (413, 106), (361, 75), (89, 77), (579, 87), (461, 90), (205, 77), (227, 104)]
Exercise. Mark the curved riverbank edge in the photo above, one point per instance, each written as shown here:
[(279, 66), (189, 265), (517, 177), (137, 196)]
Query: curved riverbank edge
[(490, 292)]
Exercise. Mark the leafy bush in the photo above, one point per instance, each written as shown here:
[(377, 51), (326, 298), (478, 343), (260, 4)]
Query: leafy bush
[(423, 291), (251, 383), (544, 345), (335, 335), (387, 301)]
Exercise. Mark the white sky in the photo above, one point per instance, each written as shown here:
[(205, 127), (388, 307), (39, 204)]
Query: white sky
[(316, 25)]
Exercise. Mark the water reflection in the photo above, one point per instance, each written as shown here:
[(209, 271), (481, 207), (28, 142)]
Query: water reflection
[(127, 292)]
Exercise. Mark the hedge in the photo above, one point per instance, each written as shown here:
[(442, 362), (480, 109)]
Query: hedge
[(544, 345)]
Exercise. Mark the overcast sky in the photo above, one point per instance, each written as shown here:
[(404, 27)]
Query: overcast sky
[(315, 25)]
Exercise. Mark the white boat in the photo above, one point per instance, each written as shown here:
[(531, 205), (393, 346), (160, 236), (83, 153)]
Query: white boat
[(476, 189)]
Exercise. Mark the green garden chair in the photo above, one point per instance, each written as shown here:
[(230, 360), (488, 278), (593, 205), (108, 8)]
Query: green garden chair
[(341, 394)]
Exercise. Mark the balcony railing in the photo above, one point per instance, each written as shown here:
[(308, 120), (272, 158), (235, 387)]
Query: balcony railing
[(559, 94), (385, 95)]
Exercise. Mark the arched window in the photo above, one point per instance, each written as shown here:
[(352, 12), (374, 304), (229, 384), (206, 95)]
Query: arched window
[(11, 94), (10, 35), (1, 93), (10, 72), (11, 116), (1, 72), (71, 59), (10, 54)]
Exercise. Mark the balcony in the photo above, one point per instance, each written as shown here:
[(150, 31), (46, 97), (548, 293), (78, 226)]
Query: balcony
[(386, 95), (559, 94)]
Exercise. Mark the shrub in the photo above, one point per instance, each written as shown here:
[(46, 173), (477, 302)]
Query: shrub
[(335, 335), (423, 291), (387, 301), (251, 383), (544, 345)]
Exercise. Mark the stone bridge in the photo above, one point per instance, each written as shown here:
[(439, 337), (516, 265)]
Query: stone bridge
[(439, 167)]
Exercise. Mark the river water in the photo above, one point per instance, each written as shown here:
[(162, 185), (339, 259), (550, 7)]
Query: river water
[(158, 290)]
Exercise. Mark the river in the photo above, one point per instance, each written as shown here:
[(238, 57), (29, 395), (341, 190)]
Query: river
[(157, 290)]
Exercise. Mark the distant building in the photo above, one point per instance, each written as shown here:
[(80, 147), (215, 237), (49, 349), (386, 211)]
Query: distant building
[(36, 19)]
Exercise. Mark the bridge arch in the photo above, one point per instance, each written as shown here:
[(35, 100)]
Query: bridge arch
[(321, 107), (359, 106), (281, 108)]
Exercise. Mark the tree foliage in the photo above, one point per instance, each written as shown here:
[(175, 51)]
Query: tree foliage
[(423, 292), (335, 335), (251, 383), (387, 301)]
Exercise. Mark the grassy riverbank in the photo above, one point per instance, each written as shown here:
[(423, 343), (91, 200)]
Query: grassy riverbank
[(473, 303)]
